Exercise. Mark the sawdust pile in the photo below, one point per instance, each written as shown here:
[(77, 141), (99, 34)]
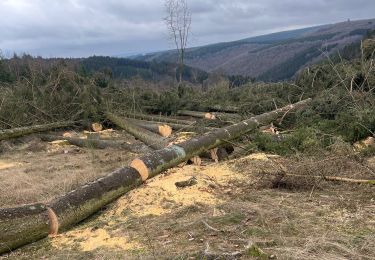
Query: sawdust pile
[(7, 165), (158, 196), (94, 239)]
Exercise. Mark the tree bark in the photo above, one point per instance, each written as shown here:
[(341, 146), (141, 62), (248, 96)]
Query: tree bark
[(22, 225), (156, 118), (29, 223), (156, 162), (21, 131), (26, 224), (190, 127), (92, 143), (149, 138), (197, 114), (159, 128)]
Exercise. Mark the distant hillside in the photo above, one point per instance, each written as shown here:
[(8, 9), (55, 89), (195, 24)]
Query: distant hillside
[(101, 67), (272, 57), (123, 68)]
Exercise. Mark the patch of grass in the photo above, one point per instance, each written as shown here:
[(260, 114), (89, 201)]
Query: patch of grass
[(255, 232), (229, 219), (255, 251)]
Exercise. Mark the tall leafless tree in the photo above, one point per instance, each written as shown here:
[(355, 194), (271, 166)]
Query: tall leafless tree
[(178, 22)]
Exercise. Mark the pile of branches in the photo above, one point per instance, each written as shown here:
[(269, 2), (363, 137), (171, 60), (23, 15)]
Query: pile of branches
[(39, 96)]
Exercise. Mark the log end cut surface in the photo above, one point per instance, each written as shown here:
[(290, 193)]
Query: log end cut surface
[(165, 130), (141, 167)]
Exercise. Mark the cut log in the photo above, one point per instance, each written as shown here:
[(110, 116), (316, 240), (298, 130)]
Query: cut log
[(226, 117), (26, 224), (159, 128), (96, 127), (21, 131), (149, 138), (156, 118), (22, 225), (156, 162), (190, 126), (92, 143), (165, 130), (198, 114)]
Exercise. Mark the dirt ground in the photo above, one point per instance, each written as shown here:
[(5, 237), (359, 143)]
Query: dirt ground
[(239, 209)]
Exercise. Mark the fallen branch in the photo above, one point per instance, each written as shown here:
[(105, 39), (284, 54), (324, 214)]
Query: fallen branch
[(212, 228), (328, 178)]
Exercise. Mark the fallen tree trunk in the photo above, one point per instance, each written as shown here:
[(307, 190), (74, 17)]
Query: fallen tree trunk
[(22, 225), (21, 131), (152, 164), (149, 138), (29, 223), (197, 114), (225, 117), (220, 154), (26, 224), (190, 127), (159, 128), (155, 118), (91, 143)]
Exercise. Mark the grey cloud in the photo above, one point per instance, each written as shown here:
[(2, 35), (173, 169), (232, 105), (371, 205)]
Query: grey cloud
[(111, 27)]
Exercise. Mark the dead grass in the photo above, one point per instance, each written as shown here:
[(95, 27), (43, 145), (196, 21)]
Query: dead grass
[(230, 208), (33, 171)]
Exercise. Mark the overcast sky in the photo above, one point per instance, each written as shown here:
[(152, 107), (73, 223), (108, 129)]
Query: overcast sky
[(78, 28)]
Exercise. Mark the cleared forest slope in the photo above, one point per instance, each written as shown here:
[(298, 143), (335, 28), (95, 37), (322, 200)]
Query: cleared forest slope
[(276, 56)]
